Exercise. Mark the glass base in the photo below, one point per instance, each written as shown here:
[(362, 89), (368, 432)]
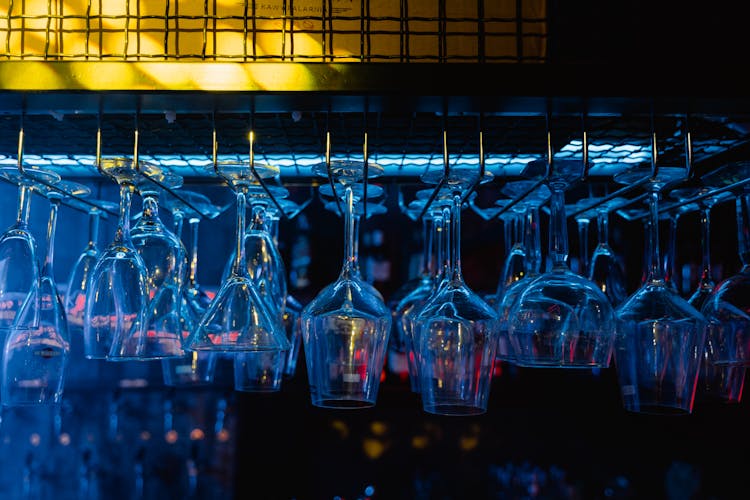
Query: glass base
[(451, 410), (343, 404)]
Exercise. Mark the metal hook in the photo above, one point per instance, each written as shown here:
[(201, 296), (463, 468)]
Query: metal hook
[(328, 171), (688, 148), (261, 182), (446, 173), (21, 168)]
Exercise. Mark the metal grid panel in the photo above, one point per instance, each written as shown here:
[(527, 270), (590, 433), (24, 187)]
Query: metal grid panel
[(276, 30)]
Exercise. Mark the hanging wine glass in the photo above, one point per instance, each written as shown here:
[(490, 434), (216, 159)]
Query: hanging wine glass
[(263, 371), (605, 268), (165, 260), (34, 359), (456, 331), (75, 291), (345, 328), (561, 319), (660, 336), (533, 265), (293, 308), (19, 267), (80, 371), (723, 382), (237, 319), (411, 304), (727, 308), (117, 295), (194, 368)]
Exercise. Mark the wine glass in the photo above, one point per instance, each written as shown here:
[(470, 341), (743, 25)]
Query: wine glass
[(83, 372), (727, 306), (75, 292), (532, 268), (34, 359), (411, 303), (561, 319), (194, 368), (165, 261), (723, 382), (117, 295), (237, 319), (660, 336), (456, 331), (19, 267), (605, 268), (263, 371), (345, 328), (293, 308)]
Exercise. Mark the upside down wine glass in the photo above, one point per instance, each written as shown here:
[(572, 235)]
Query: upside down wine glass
[(532, 268), (432, 226), (660, 336), (194, 368), (561, 319), (19, 267), (605, 269), (724, 382), (456, 330), (117, 295), (345, 328), (727, 308), (165, 259), (35, 359), (238, 319), (263, 371)]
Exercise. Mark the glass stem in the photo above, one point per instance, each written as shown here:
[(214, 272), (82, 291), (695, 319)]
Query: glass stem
[(509, 232), (533, 241), (123, 226), (438, 230), (239, 268), (178, 219), (350, 263), (706, 280), (670, 267), (583, 242), (558, 232), (656, 272), (447, 263), (193, 276), (356, 224), (24, 204), (427, 265), (94, 216), (455, 249), (51, 229), (602, 226), (743, 227)]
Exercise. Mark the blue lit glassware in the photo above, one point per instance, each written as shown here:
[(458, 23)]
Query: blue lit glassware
[(605, 268), (117, 296), (19, 266), (457, 330), (35, 359), (194, 368), (724, 382), (165, 260), (727, 307), (561, 319), (237, 319), (345, 328), (660, 337)]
